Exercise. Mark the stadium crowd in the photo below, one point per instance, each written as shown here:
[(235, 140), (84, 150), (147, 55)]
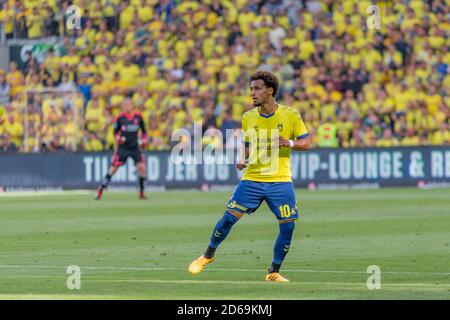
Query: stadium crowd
[(188, 61)]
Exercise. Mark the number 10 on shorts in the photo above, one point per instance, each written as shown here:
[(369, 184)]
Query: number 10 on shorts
[(286, 211)]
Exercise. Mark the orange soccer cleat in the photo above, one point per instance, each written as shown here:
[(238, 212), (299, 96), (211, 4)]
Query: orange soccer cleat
[(198, 264), (276, 277)]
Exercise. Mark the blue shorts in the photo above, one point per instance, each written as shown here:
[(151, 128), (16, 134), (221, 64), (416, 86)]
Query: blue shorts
[(280, 197)]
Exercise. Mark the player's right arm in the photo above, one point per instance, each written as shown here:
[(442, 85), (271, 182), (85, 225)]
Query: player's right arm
[(117, 134), (243, 161), (144, 136)]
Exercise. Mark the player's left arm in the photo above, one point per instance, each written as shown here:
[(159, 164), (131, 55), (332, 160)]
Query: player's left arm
[(144, 136), (298, 144), (301, 139)]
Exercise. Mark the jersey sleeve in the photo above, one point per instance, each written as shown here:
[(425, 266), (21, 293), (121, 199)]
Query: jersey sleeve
[(117, 131), (116, 125), (142, 125), (300, 130)]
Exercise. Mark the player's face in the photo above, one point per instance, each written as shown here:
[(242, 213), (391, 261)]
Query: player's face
[(259, 92), (127, 106)]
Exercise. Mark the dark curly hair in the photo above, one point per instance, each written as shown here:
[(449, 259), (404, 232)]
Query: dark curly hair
[(270, 80)]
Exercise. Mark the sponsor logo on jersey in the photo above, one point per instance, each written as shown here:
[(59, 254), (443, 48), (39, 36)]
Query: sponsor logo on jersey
[(131, 128)]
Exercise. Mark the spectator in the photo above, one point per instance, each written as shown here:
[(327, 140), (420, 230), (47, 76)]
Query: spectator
[(50, 23), (14, 129), (85, 89), (273, 6), (30, 64), (228, 125), (216, 7), (4, 90), (209, 118), (328, 134), (35, 24), (55, 144), (66, 84), (276, 35), (184, 61), (387, 140), (7, 19), (441, 136), (7, 146), (14, 78), (93, 143)]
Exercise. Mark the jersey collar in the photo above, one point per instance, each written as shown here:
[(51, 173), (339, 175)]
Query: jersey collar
[(129, 116), (269, 115)]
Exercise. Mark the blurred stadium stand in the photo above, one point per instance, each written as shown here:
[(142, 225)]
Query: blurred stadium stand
[(186, 61)]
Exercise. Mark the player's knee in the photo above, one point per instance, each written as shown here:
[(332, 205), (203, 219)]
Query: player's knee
[(142, 168), (113, 170), (229, 218)]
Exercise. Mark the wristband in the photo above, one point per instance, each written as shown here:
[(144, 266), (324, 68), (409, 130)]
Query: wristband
[(291, 143)]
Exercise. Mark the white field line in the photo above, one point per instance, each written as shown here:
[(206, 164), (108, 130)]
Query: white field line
[(218, 269), (260, 282), (264, 282), (35, 193), (42, 193), (29, 193)]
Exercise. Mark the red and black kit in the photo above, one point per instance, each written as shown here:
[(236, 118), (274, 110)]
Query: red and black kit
[(126, 132)]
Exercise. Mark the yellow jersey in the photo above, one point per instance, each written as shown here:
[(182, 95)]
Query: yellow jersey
[(268, 164)]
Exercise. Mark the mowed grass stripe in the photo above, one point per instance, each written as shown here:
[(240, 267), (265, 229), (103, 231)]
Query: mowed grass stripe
[(405, 231), (217, 269)]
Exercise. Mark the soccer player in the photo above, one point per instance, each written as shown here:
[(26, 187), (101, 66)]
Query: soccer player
[(264, 180), (126, 131)]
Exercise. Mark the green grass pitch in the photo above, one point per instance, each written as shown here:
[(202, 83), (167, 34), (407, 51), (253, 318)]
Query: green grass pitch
[(132, 249)]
